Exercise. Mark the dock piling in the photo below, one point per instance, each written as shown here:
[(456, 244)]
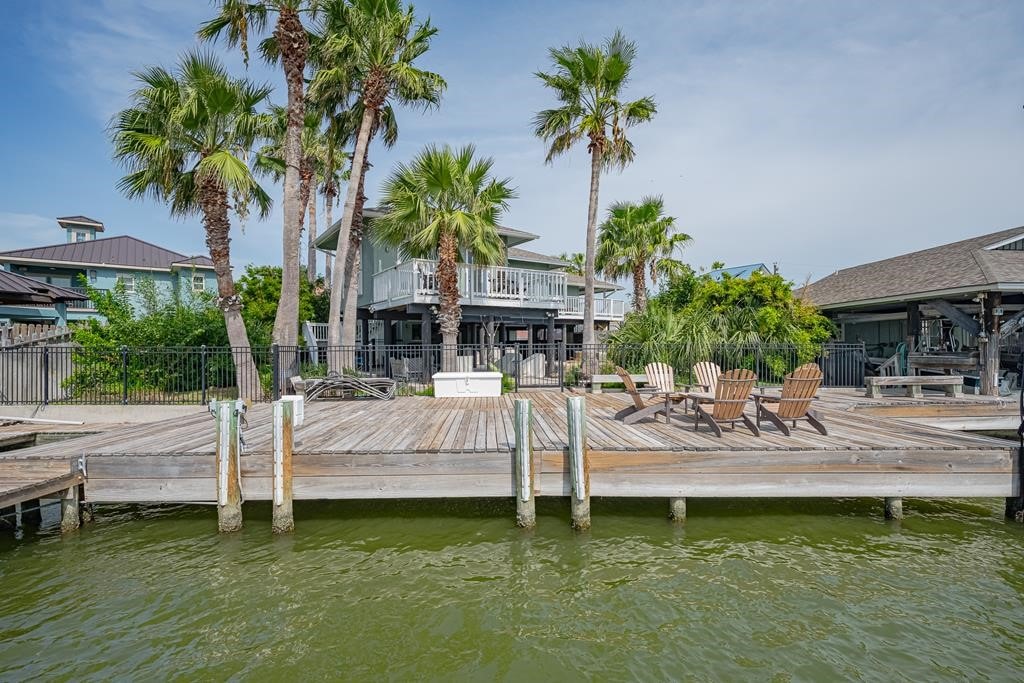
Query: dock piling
[(579, 466), (284, 441), (229, 492), (69, 510), (677, 509), (526, 509), (894, 508)]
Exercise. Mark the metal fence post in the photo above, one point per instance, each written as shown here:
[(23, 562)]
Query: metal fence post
[(46, 375), (124, 375), (202, 371), (275, 371)]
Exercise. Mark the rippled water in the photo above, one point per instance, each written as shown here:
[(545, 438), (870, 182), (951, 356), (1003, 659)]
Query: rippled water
[(763, 590)]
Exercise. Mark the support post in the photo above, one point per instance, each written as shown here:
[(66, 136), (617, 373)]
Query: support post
[(549, 341), (275, 371), (69, 509), (894, 508), (677, 509), (526, 511), (579, 466), (229, 492), (31, 514), (426, 338), (284, 422), (124, 375)]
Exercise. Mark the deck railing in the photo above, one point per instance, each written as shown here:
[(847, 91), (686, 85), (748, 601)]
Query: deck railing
[(604, 309), (87, 304)]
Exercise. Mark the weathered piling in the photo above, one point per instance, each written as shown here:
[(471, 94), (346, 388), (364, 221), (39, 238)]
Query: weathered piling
[(284, 442), (894, 508), (526, 510), (69, 510), (677, 509), (229, 491), (579, 466)]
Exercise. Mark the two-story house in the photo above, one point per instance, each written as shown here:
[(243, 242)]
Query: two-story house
[(102, 262), (530, 299)]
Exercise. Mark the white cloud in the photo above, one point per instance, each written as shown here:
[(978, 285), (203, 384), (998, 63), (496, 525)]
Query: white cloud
[(20, 230)]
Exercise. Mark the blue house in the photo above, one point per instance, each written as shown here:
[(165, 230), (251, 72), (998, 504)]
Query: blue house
[(102, 262)]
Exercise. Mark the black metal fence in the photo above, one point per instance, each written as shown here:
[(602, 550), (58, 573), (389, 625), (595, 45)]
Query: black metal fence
[(69, 374)]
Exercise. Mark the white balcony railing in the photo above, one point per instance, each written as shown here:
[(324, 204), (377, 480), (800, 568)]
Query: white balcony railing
[(415, 281)]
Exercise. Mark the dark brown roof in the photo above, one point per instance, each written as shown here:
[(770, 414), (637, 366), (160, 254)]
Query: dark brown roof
[(80, 220), (110, 251), (17, 289), (970, 264)]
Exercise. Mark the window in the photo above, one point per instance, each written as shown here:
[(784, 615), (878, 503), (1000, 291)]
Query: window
[(128, 281), (81, 235), (198, 283)]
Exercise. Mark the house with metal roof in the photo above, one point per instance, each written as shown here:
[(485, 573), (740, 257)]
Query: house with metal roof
[(949, 308), (102, 262), (530, 298)]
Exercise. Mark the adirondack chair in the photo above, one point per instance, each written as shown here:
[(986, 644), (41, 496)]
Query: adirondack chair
[(706, 374), (732, 391), (641, 408), (660, 375), (798, 388)]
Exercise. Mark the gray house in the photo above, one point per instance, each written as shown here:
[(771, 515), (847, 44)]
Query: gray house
[(529, 299)]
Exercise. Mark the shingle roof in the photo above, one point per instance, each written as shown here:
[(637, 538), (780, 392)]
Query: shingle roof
[(517, 254), (80, 220), (966, 264), (18, 289), (122, 250)]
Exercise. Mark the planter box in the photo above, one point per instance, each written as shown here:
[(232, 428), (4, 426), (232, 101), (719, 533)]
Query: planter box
[(467, 384)]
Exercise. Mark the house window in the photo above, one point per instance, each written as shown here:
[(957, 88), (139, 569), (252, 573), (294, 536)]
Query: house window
[(198, 283), (127, 280), (81, 235)]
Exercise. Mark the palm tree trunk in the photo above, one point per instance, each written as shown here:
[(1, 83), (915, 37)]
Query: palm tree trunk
[(639, 287), (329, 194), (341, 254), (351, 298), (588, 272), (311, 243), (293, 41), (449, 316), (213, 199)]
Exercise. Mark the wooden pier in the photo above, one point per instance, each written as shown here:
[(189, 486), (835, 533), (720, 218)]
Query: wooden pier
[(421, 447)]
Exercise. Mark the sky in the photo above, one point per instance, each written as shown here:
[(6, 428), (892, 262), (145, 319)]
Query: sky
[(813, 135)]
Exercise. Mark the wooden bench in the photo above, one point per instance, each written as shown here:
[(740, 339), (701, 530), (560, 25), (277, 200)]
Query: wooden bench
[(597, 380), (953, 384)]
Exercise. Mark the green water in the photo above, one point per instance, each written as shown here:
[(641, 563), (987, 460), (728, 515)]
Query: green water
[(747, 590)]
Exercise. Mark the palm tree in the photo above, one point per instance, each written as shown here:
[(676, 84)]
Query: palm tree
[(445, 203), (588, 81), (290, 45), (637, 238), (577, 262), (381, 41), (186, 140)]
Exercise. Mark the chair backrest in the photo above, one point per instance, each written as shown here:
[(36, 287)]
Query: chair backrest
[(798, 388), (706, 374), (399, 369), (661, 375), (732, 391), (630, 385)]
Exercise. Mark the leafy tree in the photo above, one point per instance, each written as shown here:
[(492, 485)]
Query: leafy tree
[(588, 81), (577, 262), (261, 290), (637, 238), (380, 46), (237, 19), (185, 140), (446, 203)]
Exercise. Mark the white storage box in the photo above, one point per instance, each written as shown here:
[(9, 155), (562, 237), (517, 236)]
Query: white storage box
[(467, 384)]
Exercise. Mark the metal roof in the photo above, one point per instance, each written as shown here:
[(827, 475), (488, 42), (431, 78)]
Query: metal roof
[(738, 271), (974, 264), (17, 289), (123, 250), (80, 220), (517, 254)]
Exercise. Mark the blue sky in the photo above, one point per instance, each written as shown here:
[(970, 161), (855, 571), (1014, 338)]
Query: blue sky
[(813, 134)]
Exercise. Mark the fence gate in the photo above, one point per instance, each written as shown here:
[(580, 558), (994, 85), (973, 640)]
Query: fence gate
[(539, 365)]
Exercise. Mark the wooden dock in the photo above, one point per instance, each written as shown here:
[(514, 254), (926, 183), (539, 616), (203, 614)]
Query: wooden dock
[(421, 447)]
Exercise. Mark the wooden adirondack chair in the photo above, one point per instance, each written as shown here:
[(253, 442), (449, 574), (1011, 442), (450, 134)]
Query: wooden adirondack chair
[(798, 388), (706, 375), (660, 375), (732, 391), (641, 408)]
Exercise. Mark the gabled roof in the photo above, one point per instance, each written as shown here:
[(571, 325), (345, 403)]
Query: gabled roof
[(123, 251), (517, 254), (738, 271), (64, 221), (985, 263), (17, 289)]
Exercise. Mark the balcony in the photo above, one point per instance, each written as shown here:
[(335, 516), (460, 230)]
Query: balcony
[(86, 305), (415, 282)]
